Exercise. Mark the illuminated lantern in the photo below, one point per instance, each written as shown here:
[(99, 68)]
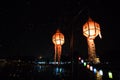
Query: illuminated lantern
[(91, 30), (88, 66), (98, 76), (58, 40), (110, 75)]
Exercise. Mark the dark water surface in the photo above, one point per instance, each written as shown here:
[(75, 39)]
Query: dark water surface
[(31, 71)]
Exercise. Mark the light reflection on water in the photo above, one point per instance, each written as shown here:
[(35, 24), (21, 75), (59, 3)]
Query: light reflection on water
[(55, 70), (40, 68), (58, 70), (27, 71), (30, 71)]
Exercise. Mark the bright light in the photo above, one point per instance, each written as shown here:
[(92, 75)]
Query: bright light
[(110, 75), (100, 72), (91, 29), (88, 66), (91, 68), (79, 58), (40, 57), (94, 70), (58, 38), (82, 61)]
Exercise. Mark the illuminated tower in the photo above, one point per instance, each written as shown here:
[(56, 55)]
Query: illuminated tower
[(58, 40), (91, 30)]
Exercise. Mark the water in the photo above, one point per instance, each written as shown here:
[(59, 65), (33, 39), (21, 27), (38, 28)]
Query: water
[(30, 71)]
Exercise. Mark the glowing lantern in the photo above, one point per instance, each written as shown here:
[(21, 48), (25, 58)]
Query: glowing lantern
[(84, 63), (91, 68), (110, 74), (91, 30), (88, 66), (58, 40), (94, 70), (98, 75)]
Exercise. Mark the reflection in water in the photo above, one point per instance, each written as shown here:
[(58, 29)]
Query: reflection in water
[(40, 68), (55, 72), (58, 70), (30, 71)]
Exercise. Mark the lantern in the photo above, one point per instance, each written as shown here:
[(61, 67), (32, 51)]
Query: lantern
[(58, 40), (91, 30)]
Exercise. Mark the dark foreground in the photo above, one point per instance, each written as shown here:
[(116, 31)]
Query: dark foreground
[(31, 71)]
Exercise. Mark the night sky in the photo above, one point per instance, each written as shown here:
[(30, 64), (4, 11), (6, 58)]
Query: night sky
[(27, 26)]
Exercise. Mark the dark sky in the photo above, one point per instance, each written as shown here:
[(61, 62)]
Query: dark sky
[(27, 26)]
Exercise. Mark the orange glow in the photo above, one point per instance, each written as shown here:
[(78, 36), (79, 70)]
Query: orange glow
[(58, 40), (91, 29), (88, 66)]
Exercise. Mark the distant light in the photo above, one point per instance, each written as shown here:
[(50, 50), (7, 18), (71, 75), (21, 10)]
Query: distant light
[(69, 62), (41, 62), (19, 60), (40, 57), (107, 62)]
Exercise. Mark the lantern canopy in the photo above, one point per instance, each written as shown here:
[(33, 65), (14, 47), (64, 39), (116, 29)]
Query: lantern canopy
[(91, 29), (58, 38)]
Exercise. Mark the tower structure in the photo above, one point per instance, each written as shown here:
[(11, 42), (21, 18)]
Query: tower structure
[(91, 30)]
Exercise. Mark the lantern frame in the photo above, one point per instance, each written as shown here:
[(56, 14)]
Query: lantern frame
[(91, 29), (58, 38)]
